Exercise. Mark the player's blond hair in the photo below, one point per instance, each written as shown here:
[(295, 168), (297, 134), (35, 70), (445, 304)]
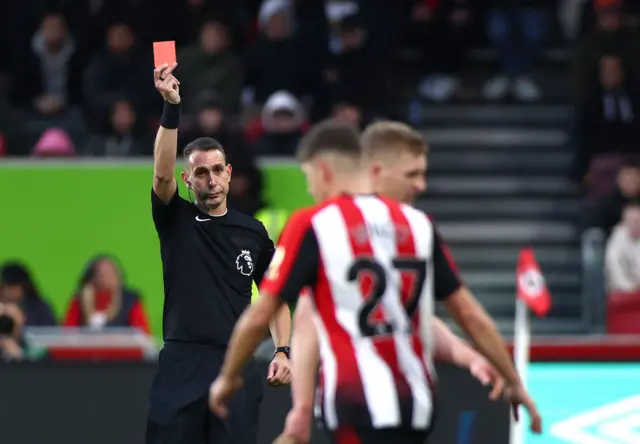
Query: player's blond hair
[(387, 137)]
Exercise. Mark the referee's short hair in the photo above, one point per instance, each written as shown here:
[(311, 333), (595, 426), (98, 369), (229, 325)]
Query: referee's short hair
[(330, 136), (204, 144), (391, 137)]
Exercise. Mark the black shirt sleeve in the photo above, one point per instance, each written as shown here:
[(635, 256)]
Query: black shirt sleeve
[(295, 262), (267, 249), (164, 214), (445, 270)]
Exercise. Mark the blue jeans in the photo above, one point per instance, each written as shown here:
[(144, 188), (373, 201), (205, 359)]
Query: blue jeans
[(517, 35)]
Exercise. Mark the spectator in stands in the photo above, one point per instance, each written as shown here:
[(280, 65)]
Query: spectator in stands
[(273, 62), (49, 78), (609, 119), (124, 135), (245, 195), (441, 31), (622, 262), (211, 120), (121, 72), (12, 344), (350, 113), (282, 120), (17, 287), (517, 30), (588, 14), (627, 192), (54, 142), (211, 65), (104, 301), (610, 37), (354, 74)]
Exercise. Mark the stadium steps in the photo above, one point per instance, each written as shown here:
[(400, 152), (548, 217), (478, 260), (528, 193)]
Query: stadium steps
[(498, 182)]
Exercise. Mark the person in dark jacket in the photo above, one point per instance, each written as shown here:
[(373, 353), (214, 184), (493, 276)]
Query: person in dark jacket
[(103, 301), (121, 72), (627, 192), (354, 74), (276, 61), (212, 65), (17, 287), (610, 36), (124, 135), (48, 77), (608, 121)]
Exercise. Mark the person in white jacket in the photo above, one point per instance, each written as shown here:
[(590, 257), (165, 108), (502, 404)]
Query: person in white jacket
[(622, 259)]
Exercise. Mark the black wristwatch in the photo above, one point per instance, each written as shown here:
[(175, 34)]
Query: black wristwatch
[(286, 350)]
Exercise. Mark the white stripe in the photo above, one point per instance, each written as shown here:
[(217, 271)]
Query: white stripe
[(385, 250), (423, 234), (329, 375)]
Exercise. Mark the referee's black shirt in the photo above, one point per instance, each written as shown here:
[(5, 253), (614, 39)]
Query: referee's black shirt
[(208, 265)]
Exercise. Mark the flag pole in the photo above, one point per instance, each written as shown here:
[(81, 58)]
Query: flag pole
[(521, 347)]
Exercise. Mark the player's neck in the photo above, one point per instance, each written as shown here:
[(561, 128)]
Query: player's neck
[(358, 184)]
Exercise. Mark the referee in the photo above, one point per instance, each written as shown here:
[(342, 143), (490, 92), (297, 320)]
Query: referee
[(211, 255)]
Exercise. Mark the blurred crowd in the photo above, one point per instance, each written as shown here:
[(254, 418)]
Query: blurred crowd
[(101, 300), (75, 77)]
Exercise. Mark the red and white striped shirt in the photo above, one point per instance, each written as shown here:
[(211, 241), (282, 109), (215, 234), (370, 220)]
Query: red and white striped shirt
[(374, 267)]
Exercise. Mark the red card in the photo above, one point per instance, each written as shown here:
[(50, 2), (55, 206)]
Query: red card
[(164, 52)]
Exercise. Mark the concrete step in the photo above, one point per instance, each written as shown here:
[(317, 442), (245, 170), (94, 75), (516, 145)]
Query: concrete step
[(495, 114), (520, 233), (506, 280), (492, 257), (504, 185), (498, 161), (442, 208), (482, 137)]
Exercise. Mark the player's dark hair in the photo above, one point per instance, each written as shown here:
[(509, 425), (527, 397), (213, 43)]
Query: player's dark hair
[(330, 136), (204, 144)]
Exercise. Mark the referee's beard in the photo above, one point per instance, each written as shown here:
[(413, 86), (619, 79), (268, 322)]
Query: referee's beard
[(212, 199)]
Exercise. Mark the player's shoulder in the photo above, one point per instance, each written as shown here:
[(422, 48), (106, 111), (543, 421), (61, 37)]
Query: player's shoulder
[(408, 210)]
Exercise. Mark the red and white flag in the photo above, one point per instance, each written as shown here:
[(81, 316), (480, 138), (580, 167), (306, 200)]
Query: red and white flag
[(531, 286)]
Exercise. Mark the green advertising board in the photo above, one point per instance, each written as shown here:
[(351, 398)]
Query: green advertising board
[(56, 216)]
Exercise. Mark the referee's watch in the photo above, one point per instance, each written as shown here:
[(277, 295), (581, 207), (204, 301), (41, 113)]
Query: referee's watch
[(286, 350)]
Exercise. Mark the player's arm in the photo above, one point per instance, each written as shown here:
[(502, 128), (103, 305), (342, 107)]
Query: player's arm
[(292, 268), (280, 325), (166, 144), (305, 359), (468, 313)]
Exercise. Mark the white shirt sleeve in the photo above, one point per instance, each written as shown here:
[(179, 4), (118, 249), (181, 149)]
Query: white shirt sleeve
[(616, 263)]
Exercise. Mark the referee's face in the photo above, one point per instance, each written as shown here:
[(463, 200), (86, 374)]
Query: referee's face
[(404, 178), (209, 176)]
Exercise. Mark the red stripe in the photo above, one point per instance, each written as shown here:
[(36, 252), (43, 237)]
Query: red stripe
[(361, 247), (347, 435), (406, 246)]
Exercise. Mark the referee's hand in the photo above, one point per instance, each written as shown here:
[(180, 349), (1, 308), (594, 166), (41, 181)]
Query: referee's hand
[(166, 83), (279, 371)]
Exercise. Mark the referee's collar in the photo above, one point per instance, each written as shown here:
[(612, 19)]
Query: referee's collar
[(212, 215)]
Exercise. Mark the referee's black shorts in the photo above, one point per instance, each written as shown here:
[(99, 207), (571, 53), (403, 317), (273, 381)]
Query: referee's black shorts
[(355, 435), (178, 403)]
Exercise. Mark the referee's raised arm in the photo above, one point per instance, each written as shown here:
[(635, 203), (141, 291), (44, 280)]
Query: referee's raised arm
[(166, 144)]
